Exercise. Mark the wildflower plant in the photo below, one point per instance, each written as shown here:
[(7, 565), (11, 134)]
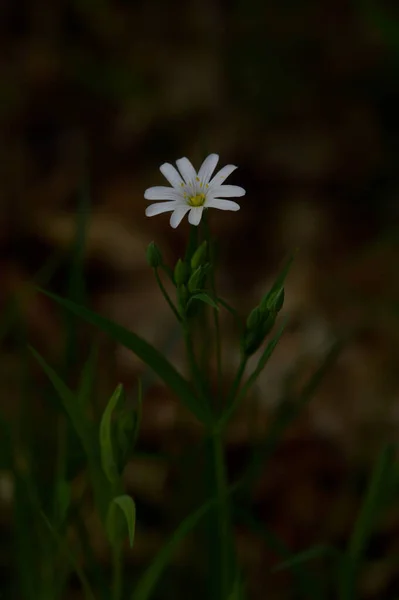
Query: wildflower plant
[(108, 443)]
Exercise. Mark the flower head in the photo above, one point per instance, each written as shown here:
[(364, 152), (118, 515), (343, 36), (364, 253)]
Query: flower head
[(192, 192)]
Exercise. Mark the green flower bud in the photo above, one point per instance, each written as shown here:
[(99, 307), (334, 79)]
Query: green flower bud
[(199, 256), (276, 300), (182, 297), (154, 256), (273, 300), (268, 324), (255, 318), (197, 279), (181, 272), (257, 331)]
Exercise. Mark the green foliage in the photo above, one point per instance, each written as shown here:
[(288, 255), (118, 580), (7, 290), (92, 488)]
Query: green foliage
[(121, 518), (108, 451), (152, 357), (154, 256)]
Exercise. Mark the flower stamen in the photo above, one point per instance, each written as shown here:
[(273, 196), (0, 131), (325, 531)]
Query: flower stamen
[(197, 200)]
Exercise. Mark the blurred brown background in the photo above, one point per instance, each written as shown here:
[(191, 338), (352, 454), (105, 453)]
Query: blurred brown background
[(303, 96)]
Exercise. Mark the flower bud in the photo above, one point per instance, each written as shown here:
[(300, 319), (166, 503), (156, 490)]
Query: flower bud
[(268, 324), (260, 325), (199, 256), (154, 256), (273, 300), (255, 318), (181, 272), (183, 297), (197, 279)]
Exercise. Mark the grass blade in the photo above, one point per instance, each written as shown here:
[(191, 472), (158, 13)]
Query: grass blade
[(89, 594), (152, 575), (145, 351)]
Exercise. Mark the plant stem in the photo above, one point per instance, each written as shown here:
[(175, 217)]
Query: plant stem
[(197, 378), (215, 311), (223, 515), (117, 559), (346, 582), (166, 295), (237, 381)]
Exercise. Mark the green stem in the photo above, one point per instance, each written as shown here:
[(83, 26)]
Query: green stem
[(196, 374), (237, 381), (346, 583), (215, 311), (117, 560), (223, 513), (166, 295)]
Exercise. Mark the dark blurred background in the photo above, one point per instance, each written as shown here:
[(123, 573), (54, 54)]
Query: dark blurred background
[(303, 96)]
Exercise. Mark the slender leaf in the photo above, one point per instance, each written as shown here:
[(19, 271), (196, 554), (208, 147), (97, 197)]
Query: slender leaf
[(88, 378), (279, 281), (203, 297), (145, 351), (108, 457), (306, 556), (380, 480), (230, 410), (151, 576), (71, 405), (63, 499), (88, 592), (121, 505)]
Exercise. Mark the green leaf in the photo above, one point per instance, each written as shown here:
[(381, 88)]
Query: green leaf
[(380, 480), (86, 433), (306, 556), (203, 297), (71, 405), (237, 593), (89, 595), (88, 377), (143, 350), (278, 283), (230, 410), (127, 428), (151, 576), (108, 458), (121, 517), (63, 498), (304, 578)]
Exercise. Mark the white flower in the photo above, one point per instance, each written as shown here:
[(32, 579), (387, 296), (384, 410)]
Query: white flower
[(191, 192)]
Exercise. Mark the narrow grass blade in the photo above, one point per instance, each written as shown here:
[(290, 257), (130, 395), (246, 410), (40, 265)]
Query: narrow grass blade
[(71, 405), (88, 378), (88, 592), (108, 458), (380, 480), (121, 505), (230, 410), (306, 556), (148, 354), (151, 576), (305, 581)]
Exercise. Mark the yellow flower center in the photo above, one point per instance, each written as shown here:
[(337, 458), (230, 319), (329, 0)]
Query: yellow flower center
[(197, 200)]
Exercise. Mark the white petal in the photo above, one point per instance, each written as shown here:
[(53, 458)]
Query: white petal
[(222, 175), (222, 204), (178, 215), (227, 191), (195, 215), (208, 167), (171, 174), (160, 207), (186, 169), (161, 192)]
